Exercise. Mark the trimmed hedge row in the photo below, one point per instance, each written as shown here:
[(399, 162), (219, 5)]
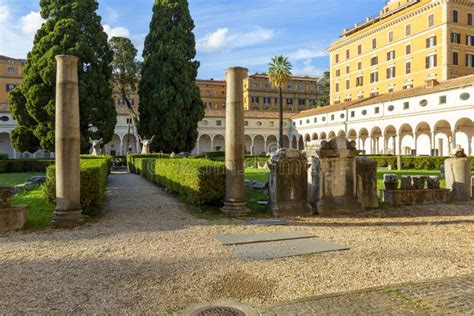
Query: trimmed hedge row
[(94, 172), (196, 181), (414, 162), (25, 165), (3, 156), (134, 161)]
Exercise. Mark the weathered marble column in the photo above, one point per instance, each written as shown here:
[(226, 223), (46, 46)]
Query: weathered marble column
[(458, 178), (68, 193), (234, 203)]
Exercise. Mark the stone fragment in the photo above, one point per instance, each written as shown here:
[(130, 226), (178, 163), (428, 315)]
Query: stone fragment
[(458, 178), (433, 183), (406, 183), (390, 181), (419, 182), (366, 173), (6, 195), (13, 218), (415, 197)]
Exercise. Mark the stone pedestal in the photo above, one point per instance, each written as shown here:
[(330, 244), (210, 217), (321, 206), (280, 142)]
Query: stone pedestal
[(68, 204), (390, 181), (234, 203), (414, 197), (366, 178), (289, 183), (314, 173), (433, 183), (458, 178), (338, 177), (12, 218)]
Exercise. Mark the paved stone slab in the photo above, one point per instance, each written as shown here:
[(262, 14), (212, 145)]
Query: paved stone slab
[(265, 237), (283, 249), (268, 222)]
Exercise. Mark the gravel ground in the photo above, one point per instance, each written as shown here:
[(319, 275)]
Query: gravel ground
[(149, 254)]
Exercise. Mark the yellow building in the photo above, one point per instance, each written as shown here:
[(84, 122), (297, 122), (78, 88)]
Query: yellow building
[(11, 72), (300, 93), (213, 93), (410, 42)]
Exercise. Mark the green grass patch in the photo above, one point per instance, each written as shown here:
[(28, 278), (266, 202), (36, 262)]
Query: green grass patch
[(260, 175), (17, 178), (40, 210)]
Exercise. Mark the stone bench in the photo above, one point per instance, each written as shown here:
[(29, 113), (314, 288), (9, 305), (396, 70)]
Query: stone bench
[(415, 197)]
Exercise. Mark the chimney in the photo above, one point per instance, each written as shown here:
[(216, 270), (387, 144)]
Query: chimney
[(430, 83)]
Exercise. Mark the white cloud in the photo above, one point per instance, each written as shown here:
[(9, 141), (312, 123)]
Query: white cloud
[(223, 38), (307, 69), (31, 22), (116, 31), (4, 13)]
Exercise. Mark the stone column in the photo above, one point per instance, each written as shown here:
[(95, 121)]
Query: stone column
[(432, 144), (458, 178), (440, 146), (68, 174), (234, 203)]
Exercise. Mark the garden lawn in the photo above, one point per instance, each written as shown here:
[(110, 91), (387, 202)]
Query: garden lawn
[(17, 178), (40, 210)]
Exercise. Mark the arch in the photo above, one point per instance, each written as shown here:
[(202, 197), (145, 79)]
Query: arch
[(390, 131), (341, 133), (113, 147), (248, 144), (258, 145), (352, 134), (130, 144), (407, 139), (464, 125), (307, 138), (390, 140), (6, 146), (272, 144), (331, 134), (323, 135), (314, 136), (464, 133), (286, 141), (294, 142), (300, 143), (204, 144), (422, 128), (364, 139), (218, 142)]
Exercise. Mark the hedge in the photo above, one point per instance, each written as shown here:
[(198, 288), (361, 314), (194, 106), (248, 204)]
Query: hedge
[(196, 181), (3, 156), (94, 172), (134, 161), (414, 162), (25, 165)]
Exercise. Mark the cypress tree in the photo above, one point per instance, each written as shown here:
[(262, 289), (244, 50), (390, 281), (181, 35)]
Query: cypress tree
[(170, 103), (72, 27)]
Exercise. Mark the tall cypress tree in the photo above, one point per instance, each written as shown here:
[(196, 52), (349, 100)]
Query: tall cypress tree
[(170, 103), (72, 27)]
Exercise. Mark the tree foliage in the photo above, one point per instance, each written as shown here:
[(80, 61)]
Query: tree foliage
[(324, 87), (72, 27), (170, 103)]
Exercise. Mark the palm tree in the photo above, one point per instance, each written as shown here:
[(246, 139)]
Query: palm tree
[(279, 73)]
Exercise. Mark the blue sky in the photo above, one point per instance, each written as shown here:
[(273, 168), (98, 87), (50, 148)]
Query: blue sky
[(228, 32)]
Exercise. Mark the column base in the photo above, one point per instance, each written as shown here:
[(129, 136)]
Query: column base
[(235, 209), (67, 219)]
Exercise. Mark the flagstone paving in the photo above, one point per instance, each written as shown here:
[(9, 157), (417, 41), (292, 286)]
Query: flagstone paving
[(149, 254)]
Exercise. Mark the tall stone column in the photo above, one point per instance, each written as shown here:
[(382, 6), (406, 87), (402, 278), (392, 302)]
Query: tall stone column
[(234, 203), (68, 185)]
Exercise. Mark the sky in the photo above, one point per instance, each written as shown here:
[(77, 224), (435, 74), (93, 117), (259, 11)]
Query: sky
[(228, 33)]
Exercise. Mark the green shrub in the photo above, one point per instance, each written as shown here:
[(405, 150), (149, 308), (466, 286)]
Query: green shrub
[(3, 156), (134, 161), (415, 162), (196, 181), (94, 172), (25, 165)]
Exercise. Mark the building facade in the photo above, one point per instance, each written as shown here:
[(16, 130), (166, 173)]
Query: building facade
[(411, 41), (213, 93)]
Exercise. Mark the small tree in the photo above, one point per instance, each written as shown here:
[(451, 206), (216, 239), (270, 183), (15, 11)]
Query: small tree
[(125, 74), (324, 89), (279, 73)]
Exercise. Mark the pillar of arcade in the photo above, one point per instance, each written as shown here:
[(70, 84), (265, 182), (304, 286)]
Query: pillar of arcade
[(234, 203), (68, 194)]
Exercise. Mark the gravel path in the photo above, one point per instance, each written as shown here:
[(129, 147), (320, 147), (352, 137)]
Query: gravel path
[(149, 254)]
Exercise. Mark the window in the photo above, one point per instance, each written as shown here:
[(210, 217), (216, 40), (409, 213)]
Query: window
[(407, 86), (277, 101), (377, 110), (289, 88), (267, 86), (408, 67), (364, 112), (408, 29), (391, 55), (216, 106), (208, 92), (347, 99), (431, 41), (348, 84), (455, 58), (255, 100), (470, 60), (374, 77), (373, 94), (360, 97), (246, 123), (11, 69), (374, 61), (455, 16), (406, 105), (431, 61), (408, 49), (208, 105), (324, 119), (359, 49), (337, 86), (348, 69), (390, 37), (465, 96), (442, 99), (353, 113), (390, 90), (121, 101), (430, 20), (469, 19), (391, 108), (338, 72), (359, 81), (424, 102), (216, 92), (374, 43), (301, 102), (266, 100), (455, 38), (258, 123), (255, 84), (131, 101), (342, 115), (359, 65), (470, 40), (332, 117), (337, 58), (315, 120), (10, 87), (348, 54), (129, 121), (219, 123), (289, 101)]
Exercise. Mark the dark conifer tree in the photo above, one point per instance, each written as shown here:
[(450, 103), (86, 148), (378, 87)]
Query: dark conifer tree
[(170, 103)]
